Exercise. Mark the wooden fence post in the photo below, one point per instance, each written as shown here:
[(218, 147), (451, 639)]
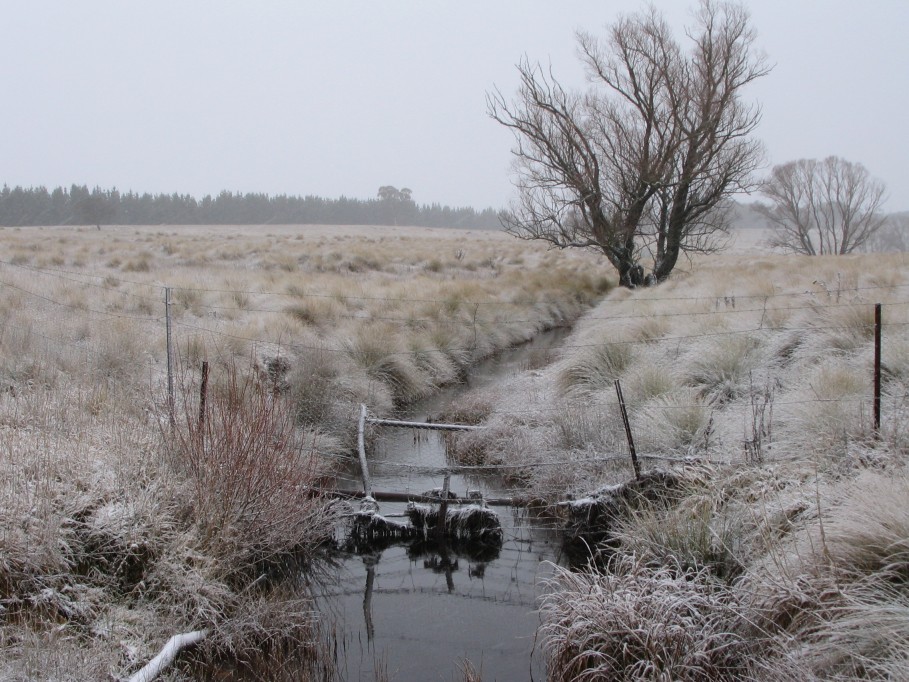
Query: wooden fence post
[(361, 446), (203, 393), (443, 509)]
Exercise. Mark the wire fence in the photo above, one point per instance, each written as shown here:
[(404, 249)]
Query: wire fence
[(103, 325)]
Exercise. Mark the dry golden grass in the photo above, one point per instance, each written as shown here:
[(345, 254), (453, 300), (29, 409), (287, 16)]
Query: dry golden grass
[(756, 364), (790, 561), (117, 530)]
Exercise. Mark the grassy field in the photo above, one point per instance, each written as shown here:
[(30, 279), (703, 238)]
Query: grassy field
[(777, 546), (119, 529)]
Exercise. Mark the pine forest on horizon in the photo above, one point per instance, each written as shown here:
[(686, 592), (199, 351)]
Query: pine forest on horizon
[(20, 207)]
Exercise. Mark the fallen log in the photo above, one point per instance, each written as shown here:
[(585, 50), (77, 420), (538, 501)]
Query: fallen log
[(173, 647)]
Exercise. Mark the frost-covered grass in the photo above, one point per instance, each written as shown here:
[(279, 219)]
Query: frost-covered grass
[(784, 559), (115, 535), (356, 313), (788, 560), (118, 530)]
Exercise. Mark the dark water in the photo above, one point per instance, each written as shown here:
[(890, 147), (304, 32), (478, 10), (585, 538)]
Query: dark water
[(410, 612)]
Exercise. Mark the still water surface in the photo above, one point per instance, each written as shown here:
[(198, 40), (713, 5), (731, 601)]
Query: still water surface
[(415, 614)]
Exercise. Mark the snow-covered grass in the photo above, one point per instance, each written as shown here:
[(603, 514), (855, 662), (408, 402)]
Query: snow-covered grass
[(109, 541), (119, 530), (633, 622), (783, 560), (787, 560)]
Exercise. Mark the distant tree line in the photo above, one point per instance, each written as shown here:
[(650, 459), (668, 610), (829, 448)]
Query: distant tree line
[(79, 205)]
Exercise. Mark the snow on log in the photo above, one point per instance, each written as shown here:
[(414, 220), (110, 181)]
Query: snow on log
[(173, 647)]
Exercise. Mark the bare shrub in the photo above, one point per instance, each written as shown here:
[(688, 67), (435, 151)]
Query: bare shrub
[(251, 473)]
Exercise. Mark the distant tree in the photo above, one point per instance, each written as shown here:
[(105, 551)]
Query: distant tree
[(641, 164), (388, 193), (398, 204), (893, 235), (823, 207)]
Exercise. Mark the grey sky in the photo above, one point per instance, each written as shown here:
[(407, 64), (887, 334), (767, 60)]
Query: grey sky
[(332, 98)]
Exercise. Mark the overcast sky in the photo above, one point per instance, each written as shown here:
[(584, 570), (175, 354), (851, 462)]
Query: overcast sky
[(332, 98)]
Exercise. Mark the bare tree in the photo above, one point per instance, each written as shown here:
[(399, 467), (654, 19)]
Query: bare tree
[(892, 236), (398, 204), (640, 165), (823, 207)]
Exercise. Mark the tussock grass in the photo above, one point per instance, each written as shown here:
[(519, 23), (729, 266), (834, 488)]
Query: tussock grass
[(596, 368), (674, 421), (647, 382), (796, 541), (831, 599), (844, 328), (117, 529), (379, 352), (633, 622), (694, 534), (830, 407), (649, 328), (722, 366)]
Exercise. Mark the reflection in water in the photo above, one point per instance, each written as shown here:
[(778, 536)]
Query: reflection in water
[(408, 603), (408, 608), (421, 608)]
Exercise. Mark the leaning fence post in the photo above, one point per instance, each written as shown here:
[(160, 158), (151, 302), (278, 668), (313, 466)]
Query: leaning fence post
[(634, 454), (877, 369)]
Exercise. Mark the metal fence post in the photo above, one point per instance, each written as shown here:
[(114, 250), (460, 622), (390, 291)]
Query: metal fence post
[(877, 369), (634, 454)]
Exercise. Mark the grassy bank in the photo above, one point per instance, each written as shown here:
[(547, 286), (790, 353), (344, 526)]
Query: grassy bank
[(119, 529), (779, 551)]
